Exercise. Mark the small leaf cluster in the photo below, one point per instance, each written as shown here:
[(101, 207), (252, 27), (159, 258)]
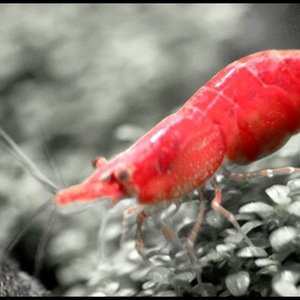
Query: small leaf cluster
[(270, 217), (272, 266)]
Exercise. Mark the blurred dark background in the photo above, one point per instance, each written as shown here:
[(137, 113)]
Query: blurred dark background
[(84, 80)]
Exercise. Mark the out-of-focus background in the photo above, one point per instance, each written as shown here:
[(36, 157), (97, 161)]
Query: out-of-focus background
[(86, 80)]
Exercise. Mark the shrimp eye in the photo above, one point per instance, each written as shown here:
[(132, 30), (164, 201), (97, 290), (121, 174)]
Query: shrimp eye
[(98, 162), (94, 162), (123, 175)]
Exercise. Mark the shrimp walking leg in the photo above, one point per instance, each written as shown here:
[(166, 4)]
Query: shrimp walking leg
[(216, 204), (127, 212), (139, 239), (193, 235), (167, 231), (141, 216), (263, 173)]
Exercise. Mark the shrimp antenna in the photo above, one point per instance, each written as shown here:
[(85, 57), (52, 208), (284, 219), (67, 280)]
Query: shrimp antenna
[(40, 254), (27, 163), (17, 237), (53, 165)]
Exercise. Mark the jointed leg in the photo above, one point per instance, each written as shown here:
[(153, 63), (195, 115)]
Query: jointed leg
[(166, 228), (128, 211), (195, 230), (260, 173), (140, 219), (265, 173), (167, 231), (142, 215), (216, 204), (193, 235)]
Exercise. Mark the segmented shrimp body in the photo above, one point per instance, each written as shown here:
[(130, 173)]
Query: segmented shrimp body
[(246, 111)]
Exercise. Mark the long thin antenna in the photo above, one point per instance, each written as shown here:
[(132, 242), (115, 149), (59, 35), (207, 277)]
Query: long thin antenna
[(27, 163), (51, 158), (53, 165), (17, 153), (40, 254), (24, 228)]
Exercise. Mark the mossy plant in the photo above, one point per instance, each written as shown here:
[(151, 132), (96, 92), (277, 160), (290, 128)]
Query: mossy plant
[(229, 266)]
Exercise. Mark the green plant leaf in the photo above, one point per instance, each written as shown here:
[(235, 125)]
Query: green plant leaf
[(238, 283)]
